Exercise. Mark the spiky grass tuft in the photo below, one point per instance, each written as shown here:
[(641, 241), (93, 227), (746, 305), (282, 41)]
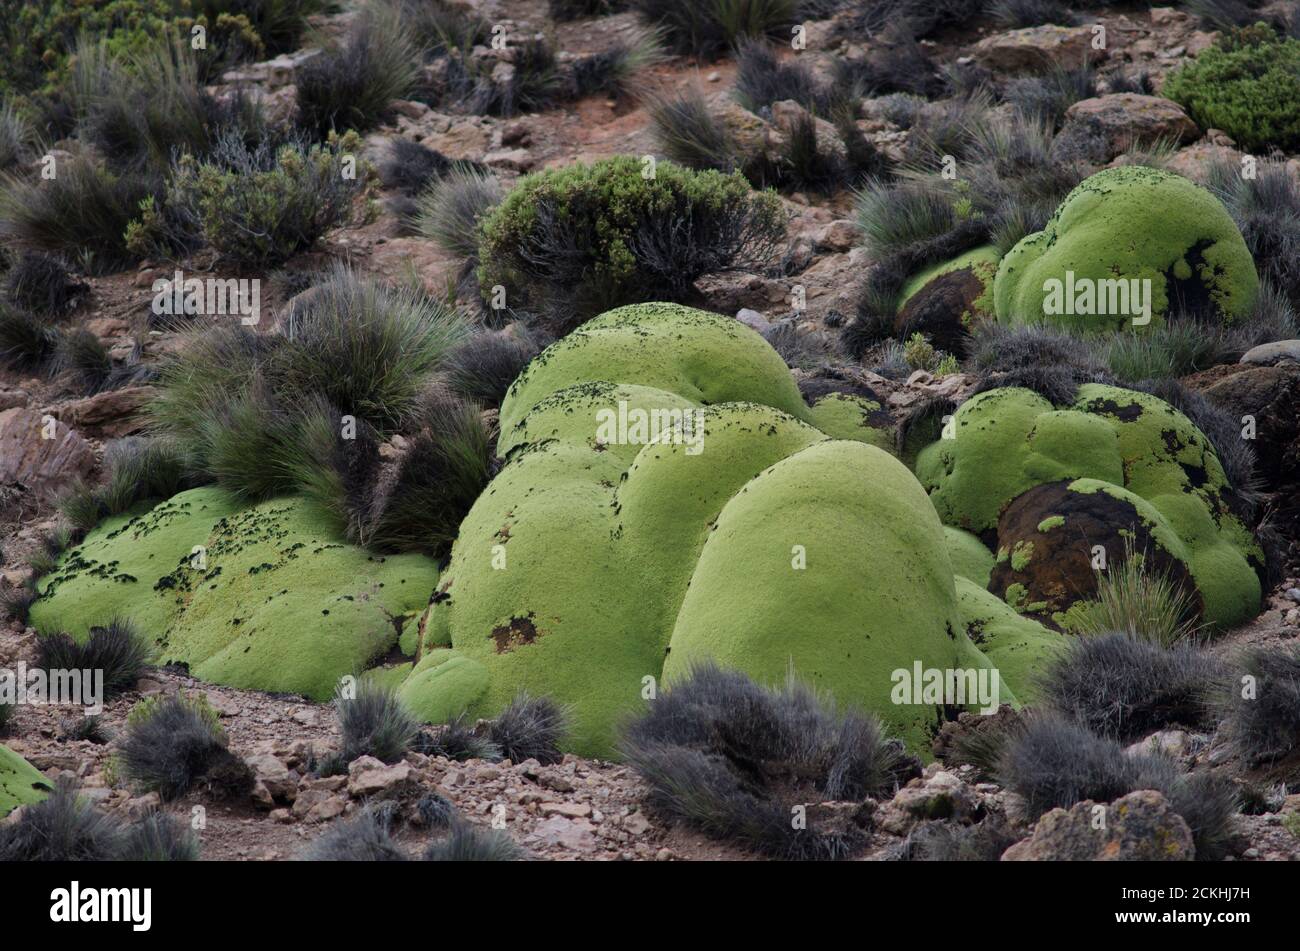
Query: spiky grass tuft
[(173, 744), (1140, 603), (530, 728), (375, 723), (729, 757), (468, 843), (116, 648)]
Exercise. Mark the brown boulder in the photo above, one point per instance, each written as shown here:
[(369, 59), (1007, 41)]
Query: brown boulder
[(110, 414), (40, 453), (1139, 827), (1037, 48), (1099, 129)]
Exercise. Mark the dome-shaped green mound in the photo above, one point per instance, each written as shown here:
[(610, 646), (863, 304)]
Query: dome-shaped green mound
[(601, 561), (1125, 245), (20, 782), (1117, 470), (265, 597)]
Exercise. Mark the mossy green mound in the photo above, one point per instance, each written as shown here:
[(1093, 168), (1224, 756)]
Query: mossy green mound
[(265, 597), (1119, 234), (1116, 470), (982, 262), (599, 563), (21, 783)]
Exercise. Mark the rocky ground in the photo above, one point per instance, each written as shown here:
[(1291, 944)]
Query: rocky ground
[(577, 809)]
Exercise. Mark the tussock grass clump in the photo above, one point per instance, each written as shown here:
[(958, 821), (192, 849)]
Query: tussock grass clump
[(1125, 688), (139, 470), (1053, 763), (1140, 603), (16, 134), (1018, 14), (351, 85), (27, 341), (449, 211), (1262, 706), (7, 711), (1046, 97), (374, 723), (704, 27), (762, 79), (530, 728), (457, 740), (81, 213), (366, 347), (41, 283), (577, 241), (62, 828), (482, 368), (81, 354), (159, 837), (411, 167), (950, 842), (729, 757), (365, 838), (174, 744), (116, 648), (1267, 210), (469, 843)]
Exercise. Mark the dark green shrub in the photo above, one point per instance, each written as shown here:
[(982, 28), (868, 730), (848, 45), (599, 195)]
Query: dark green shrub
[(1247, 85), (576, 241), (258, 205)]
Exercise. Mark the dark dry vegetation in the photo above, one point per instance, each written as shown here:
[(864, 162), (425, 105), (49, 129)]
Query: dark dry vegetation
[(375, 397)]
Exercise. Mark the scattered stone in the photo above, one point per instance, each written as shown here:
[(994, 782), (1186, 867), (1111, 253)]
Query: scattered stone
[(1139, 827), (368, 778)]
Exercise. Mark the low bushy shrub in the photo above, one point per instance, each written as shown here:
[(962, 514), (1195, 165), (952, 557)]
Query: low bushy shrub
[(576, 241), (1247, 85), (259, 205), (1263, 713)]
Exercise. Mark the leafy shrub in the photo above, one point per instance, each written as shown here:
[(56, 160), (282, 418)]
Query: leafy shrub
[(530, 728), (173, 744), (350, 86), (40, 283), (374, 723), (1247, 85), (582, 239), (116, 648), (1125, 688), (704, 27), (730, 758), (82, 213), (260, 205)]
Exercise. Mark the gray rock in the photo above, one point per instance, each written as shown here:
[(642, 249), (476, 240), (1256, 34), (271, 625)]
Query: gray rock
[(1139, 827), (1269, 354)]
